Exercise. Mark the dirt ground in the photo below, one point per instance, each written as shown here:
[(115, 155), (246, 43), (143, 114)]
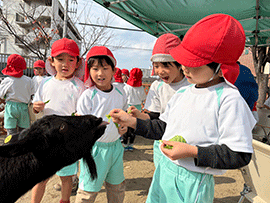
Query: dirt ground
[(139, 169)]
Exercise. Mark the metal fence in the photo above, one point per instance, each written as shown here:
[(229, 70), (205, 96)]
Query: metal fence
[(29, 64)]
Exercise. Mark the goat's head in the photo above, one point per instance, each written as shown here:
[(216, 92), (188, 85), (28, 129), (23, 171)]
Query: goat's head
[(57, 138)]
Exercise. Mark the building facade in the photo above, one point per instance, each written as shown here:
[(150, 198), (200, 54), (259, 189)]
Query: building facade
[(23, 16)]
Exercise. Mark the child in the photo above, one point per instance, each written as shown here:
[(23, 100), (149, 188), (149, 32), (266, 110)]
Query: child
[(160, 92), (125, 75), (17, 90), (118, 81), (210, 115), (135, 96), (58, 95), (39, 71), (98, 100)]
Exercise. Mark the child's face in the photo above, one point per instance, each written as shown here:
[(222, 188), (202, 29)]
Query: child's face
[(201, 75), (65, 65), (124, 78), (39, 71), (102, 75), (169, 74)]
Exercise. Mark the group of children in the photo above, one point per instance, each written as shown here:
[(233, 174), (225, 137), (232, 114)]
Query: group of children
[(195, 99)]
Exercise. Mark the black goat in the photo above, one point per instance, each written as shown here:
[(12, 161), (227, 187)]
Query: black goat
[(38, 152)]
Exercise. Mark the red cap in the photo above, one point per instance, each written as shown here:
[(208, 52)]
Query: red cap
[(118, 75), (96, 51), (216, 38), (100, 51), (65, 45), (125, 71), (39, 63), (135, 79), (15, 66), (162, 47)]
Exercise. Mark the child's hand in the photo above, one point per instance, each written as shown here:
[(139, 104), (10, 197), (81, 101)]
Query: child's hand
[(122, 130), (122, 118), (133, 111), (38, 106), (179, 150)]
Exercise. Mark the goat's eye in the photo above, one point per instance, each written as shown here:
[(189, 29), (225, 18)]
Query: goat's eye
[(63, 128)]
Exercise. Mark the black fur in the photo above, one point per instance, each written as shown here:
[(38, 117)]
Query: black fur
[(38, 152)]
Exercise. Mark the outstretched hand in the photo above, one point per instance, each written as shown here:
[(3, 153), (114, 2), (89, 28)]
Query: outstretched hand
[(123, 118), (179, 150)]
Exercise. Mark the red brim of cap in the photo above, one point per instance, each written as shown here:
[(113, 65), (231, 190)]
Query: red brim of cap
[(187, 58), (64, 51)]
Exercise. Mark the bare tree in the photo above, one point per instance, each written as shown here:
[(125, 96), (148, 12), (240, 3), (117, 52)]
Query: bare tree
[(38, 35), (95, 35), (260, 56)]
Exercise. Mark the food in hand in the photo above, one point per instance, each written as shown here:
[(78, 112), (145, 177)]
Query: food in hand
[(109, 118), (47, 101), (177, 138)]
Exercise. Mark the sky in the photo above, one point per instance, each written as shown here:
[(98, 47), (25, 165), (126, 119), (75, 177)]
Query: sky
[(140, 44)]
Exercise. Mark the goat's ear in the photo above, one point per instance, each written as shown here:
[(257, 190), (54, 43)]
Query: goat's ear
[(63, 127), (13, 150)]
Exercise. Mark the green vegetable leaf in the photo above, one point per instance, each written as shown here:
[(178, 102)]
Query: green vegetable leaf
[(73, 114), (109, 118), (177, 138), (47, 101)]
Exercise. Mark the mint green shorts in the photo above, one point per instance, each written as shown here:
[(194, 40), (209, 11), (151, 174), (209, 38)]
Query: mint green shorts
[(16, 114), (109, 163), (69, 170), (157, 152), (172, 183)]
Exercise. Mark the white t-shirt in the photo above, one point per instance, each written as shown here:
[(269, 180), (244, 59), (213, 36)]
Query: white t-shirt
[(135, 95), (37, 80), (96, 102), (160, 93), (17, 89), (63, 95), (207, 116), (119, 84)]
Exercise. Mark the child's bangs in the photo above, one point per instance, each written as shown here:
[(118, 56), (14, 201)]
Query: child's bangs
[(100, 59)]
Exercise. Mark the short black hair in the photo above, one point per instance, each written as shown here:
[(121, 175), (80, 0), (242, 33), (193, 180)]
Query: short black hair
[(167, 63), (91, 61), (213, 66)]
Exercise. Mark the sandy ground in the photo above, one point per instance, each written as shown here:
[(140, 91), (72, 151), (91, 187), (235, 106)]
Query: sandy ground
[(139, 169)]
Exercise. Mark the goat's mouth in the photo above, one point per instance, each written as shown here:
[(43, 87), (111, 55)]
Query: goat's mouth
[(101, 126), (103, 123)]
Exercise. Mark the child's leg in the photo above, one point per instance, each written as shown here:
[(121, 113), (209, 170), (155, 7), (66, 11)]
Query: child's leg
[(38, 191), (66, 187), (115, 193), (11, 131), (20, 129), (131, 141), (125, 141), (65, 175), (85, 197)]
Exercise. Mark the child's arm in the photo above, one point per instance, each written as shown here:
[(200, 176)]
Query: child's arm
[(214, 156), (151, 129), (222, 157)]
